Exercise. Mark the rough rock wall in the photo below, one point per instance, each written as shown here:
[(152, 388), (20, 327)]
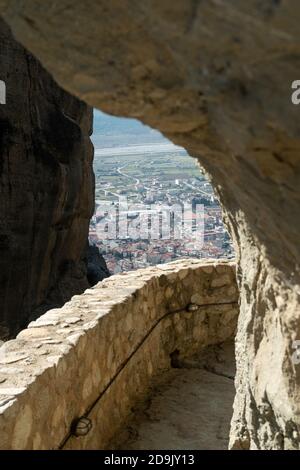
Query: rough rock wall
[(46, 189), (215, 77)]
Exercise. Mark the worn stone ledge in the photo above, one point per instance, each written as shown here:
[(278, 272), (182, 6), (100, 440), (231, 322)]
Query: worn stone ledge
[(96, 355)]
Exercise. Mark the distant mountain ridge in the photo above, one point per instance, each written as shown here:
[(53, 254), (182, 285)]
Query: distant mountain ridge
[(110, 131)]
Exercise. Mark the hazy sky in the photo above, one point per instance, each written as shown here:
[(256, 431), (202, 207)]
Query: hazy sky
[(113, 131)]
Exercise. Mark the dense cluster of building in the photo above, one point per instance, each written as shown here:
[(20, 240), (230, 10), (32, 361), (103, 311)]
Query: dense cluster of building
[(154, 209)]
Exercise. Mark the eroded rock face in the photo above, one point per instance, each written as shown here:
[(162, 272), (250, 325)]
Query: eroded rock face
[(46, 189), (215, 77)]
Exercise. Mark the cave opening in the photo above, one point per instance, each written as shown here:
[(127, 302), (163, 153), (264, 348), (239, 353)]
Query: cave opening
[(139, 174), (135, 162), (230, 102), (153, 202)]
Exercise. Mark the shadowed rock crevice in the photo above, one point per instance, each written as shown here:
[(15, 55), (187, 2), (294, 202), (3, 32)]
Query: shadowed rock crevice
[(96, 266)]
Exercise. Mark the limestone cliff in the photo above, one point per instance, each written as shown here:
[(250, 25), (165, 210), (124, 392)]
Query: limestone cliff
[(46, 189), (215, 76)]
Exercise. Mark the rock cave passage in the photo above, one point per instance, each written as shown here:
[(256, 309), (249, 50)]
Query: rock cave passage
[(216, 78), (189, 407)]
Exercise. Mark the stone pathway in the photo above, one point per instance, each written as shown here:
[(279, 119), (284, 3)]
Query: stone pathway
[(189, 408)]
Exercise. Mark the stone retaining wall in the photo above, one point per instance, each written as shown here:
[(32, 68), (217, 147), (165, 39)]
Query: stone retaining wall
[(96, 356)]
